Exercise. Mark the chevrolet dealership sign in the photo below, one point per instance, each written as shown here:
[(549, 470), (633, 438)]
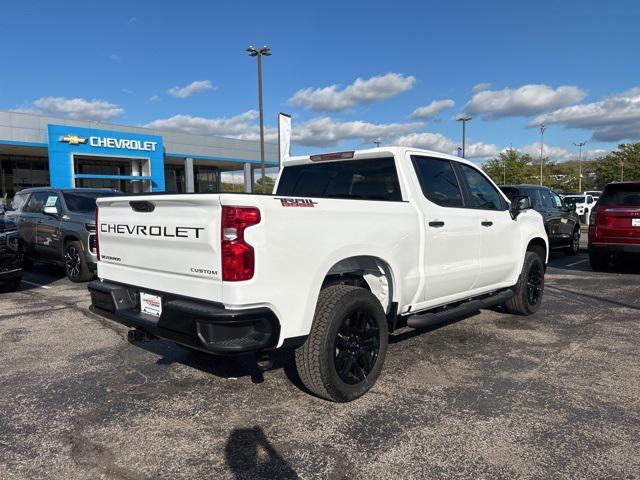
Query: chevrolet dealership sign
[(111, 142), (66, 142)]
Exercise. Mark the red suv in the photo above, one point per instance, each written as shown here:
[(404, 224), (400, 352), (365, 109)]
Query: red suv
[(614, 224)]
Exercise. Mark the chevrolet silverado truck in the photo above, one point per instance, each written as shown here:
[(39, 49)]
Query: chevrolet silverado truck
[(352, 246)]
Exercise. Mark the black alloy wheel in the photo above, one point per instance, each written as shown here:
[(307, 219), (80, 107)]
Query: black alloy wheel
[(356, 347), (534, 284), (72, 262), (75, 264)]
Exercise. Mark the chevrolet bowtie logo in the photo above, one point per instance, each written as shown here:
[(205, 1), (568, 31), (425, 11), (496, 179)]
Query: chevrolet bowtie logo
[(72, 139)]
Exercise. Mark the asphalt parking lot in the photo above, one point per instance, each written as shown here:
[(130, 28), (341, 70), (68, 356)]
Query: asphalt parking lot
[(555, 395)]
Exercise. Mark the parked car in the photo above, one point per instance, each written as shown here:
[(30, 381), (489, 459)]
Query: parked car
[(594, 193), (351, 246), (561, 221), (10, 261), (583, 204), (614, 227), (58, 226)]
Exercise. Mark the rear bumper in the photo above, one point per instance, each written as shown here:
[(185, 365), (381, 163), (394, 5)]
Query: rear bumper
[(206, 326), (615, 247)]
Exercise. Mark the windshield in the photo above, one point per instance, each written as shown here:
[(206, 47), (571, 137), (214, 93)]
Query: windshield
[(621, 195), (84, 202), (574, 200)]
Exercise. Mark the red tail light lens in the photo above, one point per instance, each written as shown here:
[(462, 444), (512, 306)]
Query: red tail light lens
[(238, 259), (97, 233)]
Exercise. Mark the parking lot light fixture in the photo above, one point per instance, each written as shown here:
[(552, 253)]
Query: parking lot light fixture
[(464, 119), (542, 129), (580, 145), (259, 53)]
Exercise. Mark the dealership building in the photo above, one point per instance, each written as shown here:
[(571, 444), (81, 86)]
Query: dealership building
[(37, 151)]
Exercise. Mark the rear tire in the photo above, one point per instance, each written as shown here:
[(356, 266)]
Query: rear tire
[(573, 249), (530, 287), (75, 263), (345, 350), (599, 260)]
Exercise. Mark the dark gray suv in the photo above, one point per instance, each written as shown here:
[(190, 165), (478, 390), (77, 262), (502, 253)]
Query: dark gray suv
[(58, 226)]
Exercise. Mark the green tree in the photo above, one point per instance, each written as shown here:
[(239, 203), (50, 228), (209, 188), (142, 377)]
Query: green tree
[(511, 167), (621, 164)]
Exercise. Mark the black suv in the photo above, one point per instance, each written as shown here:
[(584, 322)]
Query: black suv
[(560, 219), (58, 226), (10, 261)]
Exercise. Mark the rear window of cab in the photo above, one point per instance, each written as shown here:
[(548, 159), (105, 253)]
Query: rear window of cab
[(368, 179)]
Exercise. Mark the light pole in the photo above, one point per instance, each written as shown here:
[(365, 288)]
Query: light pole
[(542, 129), (464, 119), (580, 145), (259, 53)]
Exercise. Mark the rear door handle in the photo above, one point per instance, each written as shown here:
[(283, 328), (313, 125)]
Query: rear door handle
[(436, 223), (486, 223)]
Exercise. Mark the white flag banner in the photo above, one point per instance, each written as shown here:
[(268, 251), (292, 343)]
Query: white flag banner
[(284, 137)]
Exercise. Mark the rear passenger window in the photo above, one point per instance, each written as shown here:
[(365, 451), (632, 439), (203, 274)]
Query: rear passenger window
[(438, 181), (370, 179), (483, 194)]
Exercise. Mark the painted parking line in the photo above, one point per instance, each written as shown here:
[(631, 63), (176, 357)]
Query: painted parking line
[(577, 263), (35, 284)]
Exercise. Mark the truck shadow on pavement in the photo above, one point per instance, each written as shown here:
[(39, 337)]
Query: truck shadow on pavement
[(249, 454)]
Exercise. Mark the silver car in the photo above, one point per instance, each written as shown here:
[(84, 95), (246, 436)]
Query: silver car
[(58, 226)]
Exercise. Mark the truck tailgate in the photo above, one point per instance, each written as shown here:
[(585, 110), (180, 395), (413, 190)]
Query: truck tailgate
[(164, 243)]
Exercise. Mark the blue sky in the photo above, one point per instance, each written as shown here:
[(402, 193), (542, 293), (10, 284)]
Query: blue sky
[(182, 65)]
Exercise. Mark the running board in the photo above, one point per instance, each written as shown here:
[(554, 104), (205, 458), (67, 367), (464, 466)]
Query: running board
[(421, 320)]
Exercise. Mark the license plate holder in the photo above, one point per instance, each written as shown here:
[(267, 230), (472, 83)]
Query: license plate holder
[(150, 304), (635, 222)]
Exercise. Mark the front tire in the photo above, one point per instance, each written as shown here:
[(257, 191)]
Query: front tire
[(75, 263), (345, 350), (572, 250), (530, 287)]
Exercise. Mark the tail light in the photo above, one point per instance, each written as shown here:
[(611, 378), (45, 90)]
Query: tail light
[(593, 218), (238, 259), (97, 234)]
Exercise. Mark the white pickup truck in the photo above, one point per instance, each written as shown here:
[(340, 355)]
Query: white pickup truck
[(351, 247)]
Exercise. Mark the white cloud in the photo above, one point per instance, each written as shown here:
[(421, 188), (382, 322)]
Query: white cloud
[(324, 131), (523, 101), (154, 98), (191, 89), (433, 109), (439, 143), (128, 91), (115, 58), (332, 99), (479, 87), (132, 20), (75, 108), (613, 119), (318, 132), (235, 126)]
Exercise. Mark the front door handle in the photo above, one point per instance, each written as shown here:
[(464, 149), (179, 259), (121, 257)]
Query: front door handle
[(486, 223), (436, 223)]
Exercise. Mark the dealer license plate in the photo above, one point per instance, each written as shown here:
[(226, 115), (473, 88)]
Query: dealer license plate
[(150, 304), (635, 222)]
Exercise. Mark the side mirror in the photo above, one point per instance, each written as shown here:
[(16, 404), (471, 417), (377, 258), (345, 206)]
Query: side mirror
[(50, 211), (571, 207), (519, 204)]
